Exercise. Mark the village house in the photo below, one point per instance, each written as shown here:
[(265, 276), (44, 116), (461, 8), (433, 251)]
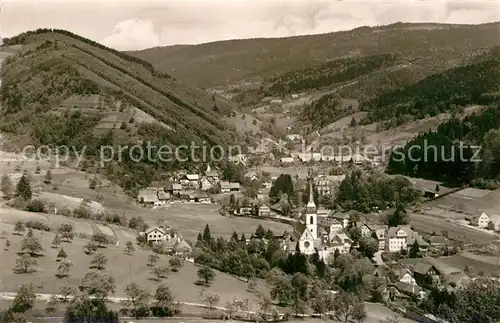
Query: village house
[(481, 220), (294, 137), (426, 273), (234, 187), (211, 175), (238, 159), (494, 223), (324, 186), (153, 197), (176, 189), (155, 235), (334, 227), (245, 210), (415, 237), (406, 276), (376, 231), (264, 210), (188, 196), (205, 183), (438, 241), (163, 197), (343, 218), (190, 180), (396, 238), (225, 187), (286, 160)]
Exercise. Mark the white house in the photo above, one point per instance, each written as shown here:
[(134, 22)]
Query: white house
[(481, 220), (406, 276), (225, 187), (264, 210), (396, 238), (155, 235), (286, 160), (205, 183)]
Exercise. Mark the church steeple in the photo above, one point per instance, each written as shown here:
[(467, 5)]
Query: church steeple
[(311, 214)]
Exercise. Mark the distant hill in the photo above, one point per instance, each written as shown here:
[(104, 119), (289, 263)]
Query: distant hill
[(226, 62), (62, 89)]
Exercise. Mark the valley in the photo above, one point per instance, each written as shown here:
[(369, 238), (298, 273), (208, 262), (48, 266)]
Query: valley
[(315, 216)]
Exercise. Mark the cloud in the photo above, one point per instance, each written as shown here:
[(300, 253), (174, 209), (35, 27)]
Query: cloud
[(133, 34)]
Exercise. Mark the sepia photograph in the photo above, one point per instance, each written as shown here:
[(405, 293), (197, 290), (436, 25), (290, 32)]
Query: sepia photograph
[(257, 161)]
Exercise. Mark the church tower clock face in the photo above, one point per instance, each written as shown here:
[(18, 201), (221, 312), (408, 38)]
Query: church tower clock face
[(307, 244)]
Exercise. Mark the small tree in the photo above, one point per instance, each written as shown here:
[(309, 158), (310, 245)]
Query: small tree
[(175, 263), (7, 244), (153, 259), (25, 299), (52, 305), (56, 242), (48, 177), (129, 247), (99, 261), (23, 188), (66, 290), (414, 250), (25, 264), (206, 275), (101, 239), (6, 186), (31, 244), (90, 247), (163, 296), (64, 268), (61, 254), (359, 312), (159, 272), (66, 232), (19, 227), (211, 300)]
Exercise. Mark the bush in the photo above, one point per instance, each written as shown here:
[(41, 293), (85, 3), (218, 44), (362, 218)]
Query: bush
[(37, 225), (36, 206)]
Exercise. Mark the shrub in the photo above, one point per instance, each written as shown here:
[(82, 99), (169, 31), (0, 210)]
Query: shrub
[(36, 206), (37, 225)]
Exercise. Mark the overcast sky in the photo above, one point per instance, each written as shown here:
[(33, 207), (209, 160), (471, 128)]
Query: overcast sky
[(141, 24)]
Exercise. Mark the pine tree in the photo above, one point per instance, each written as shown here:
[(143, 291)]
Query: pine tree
[(6, 186), (206, 234), (62, 254), (23, 188), (414, 250), (48, 177)]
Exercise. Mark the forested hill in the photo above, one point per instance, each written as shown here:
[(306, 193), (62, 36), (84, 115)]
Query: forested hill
[(52, 66), (227, 62), (474, 83), (62, 89)]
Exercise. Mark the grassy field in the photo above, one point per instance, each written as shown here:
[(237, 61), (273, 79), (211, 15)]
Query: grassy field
[(123, 268)]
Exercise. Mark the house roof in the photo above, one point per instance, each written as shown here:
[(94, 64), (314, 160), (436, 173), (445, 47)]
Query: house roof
[(299, 229), (149, 230), (163, 195), (234, 185), (176, 186), (392, 232), (437, 240), (224, 184), (414, 236), (192, 177)]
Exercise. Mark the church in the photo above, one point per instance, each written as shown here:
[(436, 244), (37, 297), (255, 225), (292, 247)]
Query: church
[(310, 237)]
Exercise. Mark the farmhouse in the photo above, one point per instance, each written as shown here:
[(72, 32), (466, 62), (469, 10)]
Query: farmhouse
[(396, 238), (494, 223), (481, 220), (155, 235), (406, 276), (324, 186), (264, 210), (234, 187), (438, 241), (286, 160), (176, 189), (225, 187), (211, 175), (163, 197), (343, 218), (205, 183), (149, 197), (190, 180)]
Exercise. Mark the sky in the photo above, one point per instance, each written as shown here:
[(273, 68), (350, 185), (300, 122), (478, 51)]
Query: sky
[(134, 25)]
